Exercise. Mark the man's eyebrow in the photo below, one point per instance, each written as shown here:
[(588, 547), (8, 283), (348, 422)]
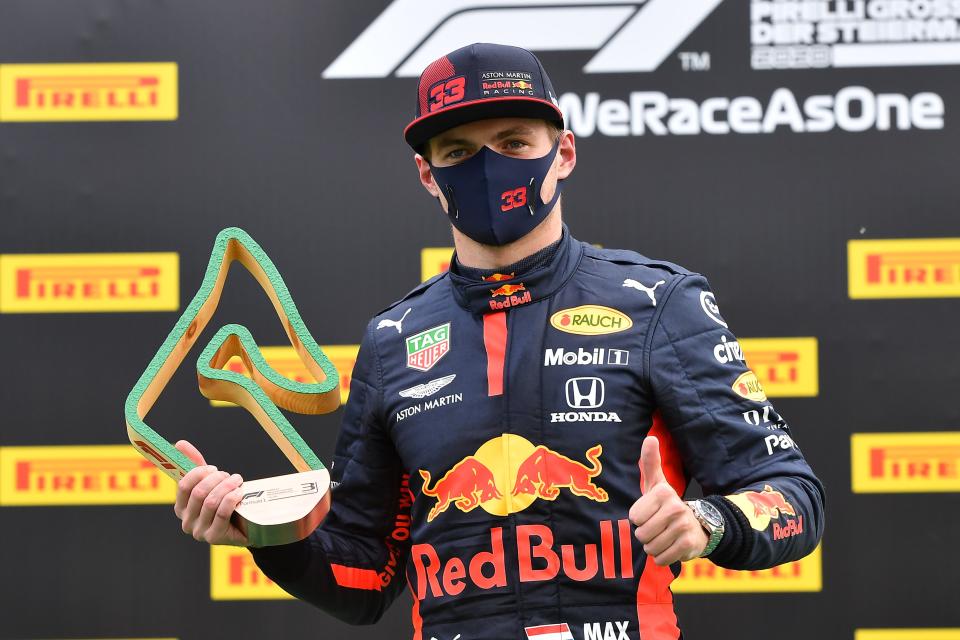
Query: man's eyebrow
[(451, 142), (463, 142), (513, 131)]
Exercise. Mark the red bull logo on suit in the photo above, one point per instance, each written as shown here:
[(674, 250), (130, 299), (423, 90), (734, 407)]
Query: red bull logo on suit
[(508, 473)]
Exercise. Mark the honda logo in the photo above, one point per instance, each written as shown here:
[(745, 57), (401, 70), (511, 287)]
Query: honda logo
[(584, 393), (628, 35)]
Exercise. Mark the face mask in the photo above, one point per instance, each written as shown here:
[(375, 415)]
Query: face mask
[(495, 199)]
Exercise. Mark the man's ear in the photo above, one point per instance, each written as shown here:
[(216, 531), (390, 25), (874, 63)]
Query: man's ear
[(567, 154), (426, 175), (426, 179)]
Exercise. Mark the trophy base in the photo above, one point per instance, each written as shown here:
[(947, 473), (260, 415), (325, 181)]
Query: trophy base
[(283, 509)]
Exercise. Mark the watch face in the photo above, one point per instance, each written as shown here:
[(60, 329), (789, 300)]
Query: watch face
[(710, 513)]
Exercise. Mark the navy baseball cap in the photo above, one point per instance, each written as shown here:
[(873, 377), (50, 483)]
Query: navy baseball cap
[(477, 82)]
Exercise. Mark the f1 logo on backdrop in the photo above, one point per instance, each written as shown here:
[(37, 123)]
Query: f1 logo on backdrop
[(628, 35), (584, 393)]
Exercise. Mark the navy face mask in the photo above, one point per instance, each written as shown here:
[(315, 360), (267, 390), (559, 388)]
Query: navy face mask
[(495, 199)]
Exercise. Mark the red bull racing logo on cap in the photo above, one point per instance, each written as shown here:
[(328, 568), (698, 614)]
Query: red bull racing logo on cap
[(507, 83), (508, 473)]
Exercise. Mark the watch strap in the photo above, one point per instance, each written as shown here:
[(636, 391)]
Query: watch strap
[(714, 532), (738, 540)]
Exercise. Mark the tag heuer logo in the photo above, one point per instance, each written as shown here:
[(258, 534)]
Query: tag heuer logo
[(425, 349)]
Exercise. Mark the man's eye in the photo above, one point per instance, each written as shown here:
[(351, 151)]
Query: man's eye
[(516, 145), (456, 154)]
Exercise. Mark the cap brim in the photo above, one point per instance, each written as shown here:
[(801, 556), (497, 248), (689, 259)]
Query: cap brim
[(429, 125)]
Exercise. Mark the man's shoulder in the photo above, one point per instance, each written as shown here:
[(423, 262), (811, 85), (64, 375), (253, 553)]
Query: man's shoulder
[(425, 288), (627, 261)]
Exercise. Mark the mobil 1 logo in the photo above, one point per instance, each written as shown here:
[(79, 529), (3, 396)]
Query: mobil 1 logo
[(597, 356)]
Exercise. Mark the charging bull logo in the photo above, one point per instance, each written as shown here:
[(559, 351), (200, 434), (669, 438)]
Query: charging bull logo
[(468, 484), (508, 473), (507, 290), (543, 472), (761, 507)]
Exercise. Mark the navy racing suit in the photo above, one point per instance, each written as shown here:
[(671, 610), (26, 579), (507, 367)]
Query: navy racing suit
[(489, 454)]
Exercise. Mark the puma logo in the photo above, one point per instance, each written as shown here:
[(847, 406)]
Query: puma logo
[(640, 287), (386, 322)]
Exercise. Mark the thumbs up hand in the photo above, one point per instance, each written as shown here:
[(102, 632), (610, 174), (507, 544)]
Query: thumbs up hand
[(665, 524)]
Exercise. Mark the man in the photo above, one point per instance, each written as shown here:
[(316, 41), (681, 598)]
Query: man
[(497, 413)]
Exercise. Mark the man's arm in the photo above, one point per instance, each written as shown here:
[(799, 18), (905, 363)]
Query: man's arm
[(352, 566), (729, 435)]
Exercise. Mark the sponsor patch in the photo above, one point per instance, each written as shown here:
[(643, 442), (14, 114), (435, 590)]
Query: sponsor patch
[(428, 405), (762, 507), (597, 356), (585, 393), (590, 320), (506, 83), (639, 286), (426, 348), (709, 305), (778, 442), (508, 473), (748, 386), (427, 388), (510, 295)]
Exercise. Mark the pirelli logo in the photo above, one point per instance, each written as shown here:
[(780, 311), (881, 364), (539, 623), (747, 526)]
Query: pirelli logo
[(786, 367), (79, 92), (285, 361), (76, 282), (922, 268), (434, 261), (702, 576), (80, 475), (235, 576), (907, 634), (905, 462)]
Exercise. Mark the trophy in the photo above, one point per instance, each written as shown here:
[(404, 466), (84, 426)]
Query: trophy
[(276, 510)]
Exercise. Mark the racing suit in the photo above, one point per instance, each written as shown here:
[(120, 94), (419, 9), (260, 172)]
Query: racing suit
[(490, 446)]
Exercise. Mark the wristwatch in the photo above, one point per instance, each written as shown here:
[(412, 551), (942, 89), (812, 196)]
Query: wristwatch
[(711, 520)]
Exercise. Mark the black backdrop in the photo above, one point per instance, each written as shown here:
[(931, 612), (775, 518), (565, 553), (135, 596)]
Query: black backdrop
[(316, 170)]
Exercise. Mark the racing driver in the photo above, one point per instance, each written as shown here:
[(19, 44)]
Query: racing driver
[(520, 430)]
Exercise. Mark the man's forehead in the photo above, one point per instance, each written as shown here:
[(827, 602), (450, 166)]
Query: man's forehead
[(498, 128)]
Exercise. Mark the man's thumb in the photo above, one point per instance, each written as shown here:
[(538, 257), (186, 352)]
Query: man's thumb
[(651, 472), (190, 451)]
